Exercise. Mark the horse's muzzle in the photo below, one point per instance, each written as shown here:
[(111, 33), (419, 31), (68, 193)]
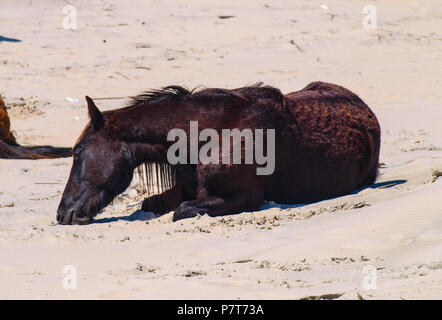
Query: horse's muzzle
[(71, 217)]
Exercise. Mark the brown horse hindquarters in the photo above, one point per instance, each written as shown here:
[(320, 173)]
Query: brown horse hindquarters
[(5, 125), (334, 146)]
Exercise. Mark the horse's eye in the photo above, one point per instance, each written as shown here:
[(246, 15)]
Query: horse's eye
[(77, 152)]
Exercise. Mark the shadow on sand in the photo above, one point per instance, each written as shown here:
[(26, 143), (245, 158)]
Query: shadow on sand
[(140, 215), (379, 185), (8, 39)]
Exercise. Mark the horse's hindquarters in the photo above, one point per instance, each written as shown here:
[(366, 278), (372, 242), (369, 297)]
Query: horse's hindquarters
[(333, 147)]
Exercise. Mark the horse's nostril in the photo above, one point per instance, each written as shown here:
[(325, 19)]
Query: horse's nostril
[(65, 217), (71, 215)]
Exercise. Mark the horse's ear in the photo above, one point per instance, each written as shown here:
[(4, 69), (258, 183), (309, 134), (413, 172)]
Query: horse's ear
[(96, 116)]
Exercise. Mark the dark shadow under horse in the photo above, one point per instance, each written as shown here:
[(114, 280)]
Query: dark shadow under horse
[(327, 143)]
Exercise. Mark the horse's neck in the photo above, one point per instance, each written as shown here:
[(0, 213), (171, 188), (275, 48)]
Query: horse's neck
[(152, 122), (145, 128), (148, 153)]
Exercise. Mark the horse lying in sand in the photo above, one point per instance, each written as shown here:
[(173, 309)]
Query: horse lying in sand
[(327, 143), (9, 149)]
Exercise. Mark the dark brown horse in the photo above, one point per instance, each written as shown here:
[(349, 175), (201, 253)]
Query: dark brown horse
[(327, 144), (9, 149)]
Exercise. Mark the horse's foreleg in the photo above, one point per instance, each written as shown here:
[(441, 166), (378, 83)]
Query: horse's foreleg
[(164, 202), (223, 191), (213, 206)]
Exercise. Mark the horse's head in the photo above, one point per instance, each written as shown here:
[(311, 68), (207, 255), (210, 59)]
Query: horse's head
[(102, 168)]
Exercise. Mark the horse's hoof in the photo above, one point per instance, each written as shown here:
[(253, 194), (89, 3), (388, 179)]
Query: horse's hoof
[(186, 211)]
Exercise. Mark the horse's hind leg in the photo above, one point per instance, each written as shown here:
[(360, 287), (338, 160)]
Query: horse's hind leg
[(15, 152), (19, 152), (48, 152)]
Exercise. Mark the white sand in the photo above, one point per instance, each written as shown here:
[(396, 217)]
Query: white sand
[(277, 253)]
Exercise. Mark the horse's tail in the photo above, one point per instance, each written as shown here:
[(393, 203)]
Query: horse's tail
[(373, 142), (39, 152)]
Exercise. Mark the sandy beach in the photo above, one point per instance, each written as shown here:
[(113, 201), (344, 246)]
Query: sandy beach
[(381, 242)]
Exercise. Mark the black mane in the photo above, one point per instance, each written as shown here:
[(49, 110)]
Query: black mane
[(178, 93), (167, 93)]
